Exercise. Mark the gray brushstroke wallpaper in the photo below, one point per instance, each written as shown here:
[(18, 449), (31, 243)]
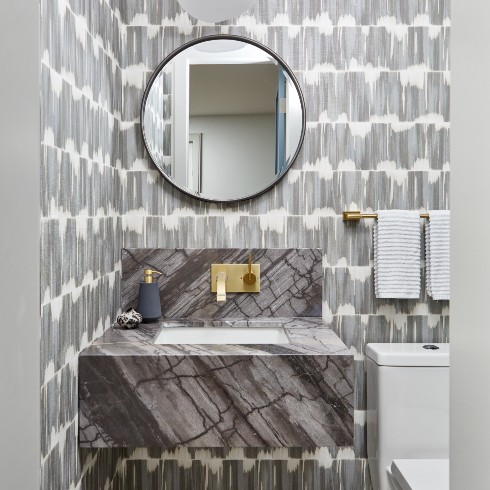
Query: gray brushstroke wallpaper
[(81, 223), (375, 76)]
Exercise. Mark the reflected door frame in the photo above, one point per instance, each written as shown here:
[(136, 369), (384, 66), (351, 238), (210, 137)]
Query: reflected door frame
[(194, 172)]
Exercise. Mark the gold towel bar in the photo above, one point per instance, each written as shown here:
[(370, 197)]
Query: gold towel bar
[(357, 215)]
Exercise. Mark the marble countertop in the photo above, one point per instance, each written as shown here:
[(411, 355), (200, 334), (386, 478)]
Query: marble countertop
[(307, 336)]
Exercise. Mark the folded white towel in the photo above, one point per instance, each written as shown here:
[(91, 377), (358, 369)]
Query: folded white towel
[(437, 265), (397, 254)]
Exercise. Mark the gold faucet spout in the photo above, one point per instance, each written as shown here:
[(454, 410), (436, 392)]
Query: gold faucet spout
[(221, 287)]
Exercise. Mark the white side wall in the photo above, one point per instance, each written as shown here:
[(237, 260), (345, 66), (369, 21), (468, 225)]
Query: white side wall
[(19, 246), (470, 246), (229, 156)]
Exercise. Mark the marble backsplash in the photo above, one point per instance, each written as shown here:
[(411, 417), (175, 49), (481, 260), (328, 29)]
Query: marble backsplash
[(291, 282)]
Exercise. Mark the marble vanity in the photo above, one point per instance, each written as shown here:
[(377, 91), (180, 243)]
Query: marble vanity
[(297, 392), (134, 393)]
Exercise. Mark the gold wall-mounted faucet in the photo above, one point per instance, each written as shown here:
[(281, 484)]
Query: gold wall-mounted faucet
[(235, 278)]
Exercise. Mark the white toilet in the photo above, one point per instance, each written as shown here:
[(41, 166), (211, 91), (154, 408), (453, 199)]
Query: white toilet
[(408, 416)]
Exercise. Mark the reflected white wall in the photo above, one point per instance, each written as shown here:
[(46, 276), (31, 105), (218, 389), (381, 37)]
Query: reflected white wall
[(232, 165)]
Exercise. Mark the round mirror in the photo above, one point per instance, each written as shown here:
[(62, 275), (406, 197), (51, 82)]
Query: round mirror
[(223, 118)]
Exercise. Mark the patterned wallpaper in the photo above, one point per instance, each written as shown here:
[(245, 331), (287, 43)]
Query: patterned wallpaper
[(81, 223), (375, 76)]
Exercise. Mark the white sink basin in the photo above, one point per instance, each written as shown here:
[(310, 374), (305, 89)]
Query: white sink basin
[(221, 335)]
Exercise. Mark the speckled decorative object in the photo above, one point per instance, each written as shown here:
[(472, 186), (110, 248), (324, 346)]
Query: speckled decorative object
[(134, 393), (129, 319)]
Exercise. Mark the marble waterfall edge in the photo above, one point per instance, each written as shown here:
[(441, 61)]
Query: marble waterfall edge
[(134, 393)]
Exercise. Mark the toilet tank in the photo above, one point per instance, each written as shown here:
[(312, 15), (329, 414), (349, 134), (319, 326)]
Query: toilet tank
[(407, 405)]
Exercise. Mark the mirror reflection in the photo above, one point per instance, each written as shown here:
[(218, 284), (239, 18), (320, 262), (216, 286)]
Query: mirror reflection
[(223, 119)]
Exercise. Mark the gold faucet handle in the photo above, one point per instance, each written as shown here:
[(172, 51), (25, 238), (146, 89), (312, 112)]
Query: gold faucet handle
[(249, 278)]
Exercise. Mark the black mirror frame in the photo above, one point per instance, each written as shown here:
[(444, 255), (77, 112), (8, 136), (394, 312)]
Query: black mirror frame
[(253, 43)]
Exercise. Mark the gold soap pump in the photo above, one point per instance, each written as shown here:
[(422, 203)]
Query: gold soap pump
[(149, 275), (149, 305)]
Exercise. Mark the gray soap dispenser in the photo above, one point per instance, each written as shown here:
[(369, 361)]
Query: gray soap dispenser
[(149, 298)]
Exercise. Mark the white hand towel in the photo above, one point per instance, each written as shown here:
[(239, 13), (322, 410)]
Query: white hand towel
[(437, 266), (397, 254)]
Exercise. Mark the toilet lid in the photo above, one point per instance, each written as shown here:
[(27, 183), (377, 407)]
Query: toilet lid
[(421, 474)]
